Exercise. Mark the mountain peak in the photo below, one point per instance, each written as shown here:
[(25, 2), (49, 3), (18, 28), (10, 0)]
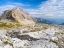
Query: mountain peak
[(19, 15), (18, 9)]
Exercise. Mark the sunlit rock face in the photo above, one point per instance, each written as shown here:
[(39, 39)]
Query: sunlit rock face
[(19, 15)]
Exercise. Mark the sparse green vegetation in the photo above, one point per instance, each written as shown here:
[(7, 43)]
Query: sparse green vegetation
[(45, 27), (25, 31), (18, 24), (58, 33), (4, 25), (59, 46), (6, 42), (33, 30), (9, 25), (53, 41)]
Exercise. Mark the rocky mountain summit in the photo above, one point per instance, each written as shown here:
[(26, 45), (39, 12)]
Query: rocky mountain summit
[(19, 15)]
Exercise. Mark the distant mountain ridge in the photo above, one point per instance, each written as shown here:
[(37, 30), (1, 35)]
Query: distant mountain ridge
[(41, 20)]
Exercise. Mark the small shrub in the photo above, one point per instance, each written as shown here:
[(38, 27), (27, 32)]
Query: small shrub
[(18, 24), (6, 42), (45, 27), (33, 30), (25, 31)]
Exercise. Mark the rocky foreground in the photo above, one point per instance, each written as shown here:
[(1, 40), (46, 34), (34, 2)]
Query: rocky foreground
[(38, 36)]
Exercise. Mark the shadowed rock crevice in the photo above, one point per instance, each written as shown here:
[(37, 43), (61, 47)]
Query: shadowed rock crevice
[(26, 37), (22, 37), (7, 15)]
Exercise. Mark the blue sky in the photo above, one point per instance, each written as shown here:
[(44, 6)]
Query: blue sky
[(24, 4), (29, 3), (49, 9)]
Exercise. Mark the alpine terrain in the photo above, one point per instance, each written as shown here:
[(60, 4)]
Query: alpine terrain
[(19, 30)]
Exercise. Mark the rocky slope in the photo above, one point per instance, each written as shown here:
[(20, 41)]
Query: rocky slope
[(38, 36), (19, 15)]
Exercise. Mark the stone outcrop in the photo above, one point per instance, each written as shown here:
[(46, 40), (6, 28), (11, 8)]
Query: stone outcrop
[(19, 15)]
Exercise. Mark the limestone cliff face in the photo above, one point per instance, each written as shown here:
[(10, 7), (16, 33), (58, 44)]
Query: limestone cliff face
[(19, 15)]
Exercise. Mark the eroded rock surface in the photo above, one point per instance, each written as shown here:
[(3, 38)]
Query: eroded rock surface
[(27, 37), (19, 15)]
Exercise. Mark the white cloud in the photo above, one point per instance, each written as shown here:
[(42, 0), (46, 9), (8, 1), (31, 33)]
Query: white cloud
[(54, 7), (50, 8), (10, 5), (6, 7), (17, 4)]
